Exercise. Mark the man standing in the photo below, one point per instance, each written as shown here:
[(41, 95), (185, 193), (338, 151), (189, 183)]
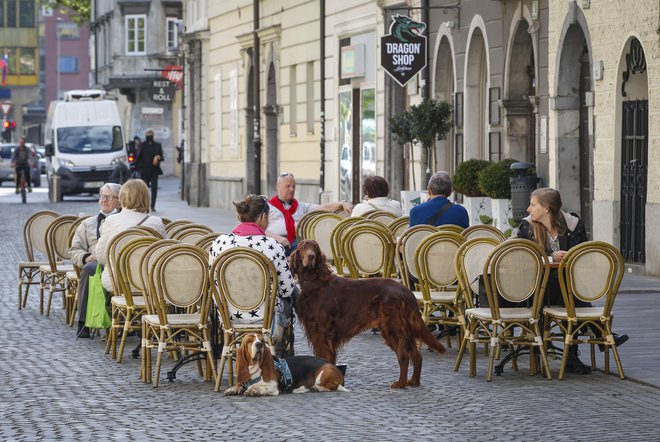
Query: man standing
[(84, 243), (438, 210), (148, 161)]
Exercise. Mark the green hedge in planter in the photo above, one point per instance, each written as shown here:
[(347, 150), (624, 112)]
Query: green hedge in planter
[(494, 179), (466, 177)]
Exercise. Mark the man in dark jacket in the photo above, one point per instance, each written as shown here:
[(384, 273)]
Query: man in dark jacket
[(20, 160), (148, 161)]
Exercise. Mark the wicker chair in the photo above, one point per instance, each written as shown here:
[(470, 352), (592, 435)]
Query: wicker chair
[(301, 225), (206, 241), (380, 215), (336, 237), (484, 231), (398, 226), (172, 226), (54, 273), (191, 233), (589, 271), (34, 238), (242, 279), (406, 244), (73, 277), (179, 279), (517, 270), (451, 228), (368, 250), (320, 230)]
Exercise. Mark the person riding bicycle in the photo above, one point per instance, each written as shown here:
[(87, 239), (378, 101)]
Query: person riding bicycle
[(20, 161)]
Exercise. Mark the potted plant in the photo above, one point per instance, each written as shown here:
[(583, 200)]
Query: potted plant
[(494, 182), (466, 182)]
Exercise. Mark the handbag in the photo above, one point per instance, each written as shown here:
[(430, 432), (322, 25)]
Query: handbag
[(97, 314)]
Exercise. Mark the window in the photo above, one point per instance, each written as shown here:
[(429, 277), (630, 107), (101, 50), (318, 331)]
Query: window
[(233, 109), (68, 31), (494, 145), (2, 13), (26, 14), (458, 111), (494, 105), (172, 34), (27, 63), (218, 114), (69, 65), (11, 13), (310, 97), (293, 101), (136, 36)]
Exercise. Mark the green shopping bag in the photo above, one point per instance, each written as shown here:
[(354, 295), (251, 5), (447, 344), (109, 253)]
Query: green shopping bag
[(97, 314)]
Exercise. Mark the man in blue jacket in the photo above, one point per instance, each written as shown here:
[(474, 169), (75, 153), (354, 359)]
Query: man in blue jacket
[(438, 210)]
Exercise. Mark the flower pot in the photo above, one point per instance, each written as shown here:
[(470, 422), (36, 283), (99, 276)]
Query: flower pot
[(501, 209), (477, 206)]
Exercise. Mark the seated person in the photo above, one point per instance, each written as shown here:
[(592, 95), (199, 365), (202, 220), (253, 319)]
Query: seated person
[(557, 232), (134, 200), (376, 191), (83, 246), (438, 210), (286, 211), (253, 214)]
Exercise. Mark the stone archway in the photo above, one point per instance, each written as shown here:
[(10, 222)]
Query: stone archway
[(444, 91), (476, 87), (574, 153), (271, 110), (520, 97)]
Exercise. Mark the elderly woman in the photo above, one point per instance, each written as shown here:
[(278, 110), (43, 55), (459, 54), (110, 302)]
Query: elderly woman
[(376, 195), (134, 201), (251, 232)]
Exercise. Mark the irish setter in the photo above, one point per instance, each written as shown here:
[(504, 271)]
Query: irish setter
[(333, 309)]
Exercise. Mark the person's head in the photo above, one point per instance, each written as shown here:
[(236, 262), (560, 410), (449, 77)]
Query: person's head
[(439, 184), (134, 195), (286, 187), (375, 186), (109, 197), (137, 140), (149, 134), (253, 209), (21, 143), (545, 211)]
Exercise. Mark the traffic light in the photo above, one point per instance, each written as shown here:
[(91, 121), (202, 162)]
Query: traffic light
[(6, 131)]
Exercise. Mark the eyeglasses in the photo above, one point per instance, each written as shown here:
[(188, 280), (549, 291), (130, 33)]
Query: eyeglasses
[(107, 197), (266, 207)]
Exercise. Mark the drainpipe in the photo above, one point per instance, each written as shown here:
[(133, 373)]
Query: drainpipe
[(425, 71), (257, 101), (322, 116), (96, 46)]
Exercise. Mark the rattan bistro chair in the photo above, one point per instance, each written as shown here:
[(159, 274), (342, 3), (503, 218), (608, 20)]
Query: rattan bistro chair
[(34, 238), (381, 215), (406, 244), (398, 226), (517, 270), (72, 277), (191, 233), (483, 231), (179, 280), (206, 241), (320, 230), (589, 271), (336, 237), (368, 250), (173, 226), (53, 275), (242, 280), (303, 222)]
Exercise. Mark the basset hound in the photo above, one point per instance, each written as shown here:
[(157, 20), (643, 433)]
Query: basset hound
[(260, 374)]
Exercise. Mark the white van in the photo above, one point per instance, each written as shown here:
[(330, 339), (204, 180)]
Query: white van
[(84, 141)]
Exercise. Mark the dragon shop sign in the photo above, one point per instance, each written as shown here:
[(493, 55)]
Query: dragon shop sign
[(403, 50)]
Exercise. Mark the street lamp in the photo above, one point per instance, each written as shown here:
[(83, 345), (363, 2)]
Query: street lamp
[(57, 62)]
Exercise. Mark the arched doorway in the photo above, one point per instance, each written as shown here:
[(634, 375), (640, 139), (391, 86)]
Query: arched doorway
[(271, 111), (634, 108), (445, 156), (475, 98), (573, 112), (520, 96)]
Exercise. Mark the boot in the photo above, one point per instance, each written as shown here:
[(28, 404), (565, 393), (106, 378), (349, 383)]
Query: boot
[(574, 364), (83, 332)]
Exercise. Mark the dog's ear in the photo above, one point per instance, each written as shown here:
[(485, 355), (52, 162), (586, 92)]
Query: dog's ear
[(243, 364), (268, 372), (294, 262)]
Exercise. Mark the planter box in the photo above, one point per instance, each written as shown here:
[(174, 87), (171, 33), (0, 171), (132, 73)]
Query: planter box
[(501, 214), (477, 206)]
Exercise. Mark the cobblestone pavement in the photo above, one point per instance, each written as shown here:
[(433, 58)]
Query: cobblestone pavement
[(54, 387)]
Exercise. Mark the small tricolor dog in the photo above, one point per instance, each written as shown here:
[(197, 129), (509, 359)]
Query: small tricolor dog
[(261, 374)]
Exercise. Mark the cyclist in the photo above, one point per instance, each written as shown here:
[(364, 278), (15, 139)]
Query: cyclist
[(20, 161)]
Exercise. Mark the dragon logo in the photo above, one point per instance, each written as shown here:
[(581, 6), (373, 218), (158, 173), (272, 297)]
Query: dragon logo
[(404, 27)]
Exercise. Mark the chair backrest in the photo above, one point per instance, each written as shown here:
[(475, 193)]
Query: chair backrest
[(452, 228), (150, 231), (206, 241), (516, 270), (398, 226), (165, 221), (180, 278), (484, 231), (469, 265), (128, 263), (368, 250), (146, 266), (406, 245), (72, 234), (382, 216), (244, 280), (434, 261), (191, 231), (301, 225), (34, 232), (320, 230), (336, 237), (173, 225), (590, 271), (57, 240), (114, 246)]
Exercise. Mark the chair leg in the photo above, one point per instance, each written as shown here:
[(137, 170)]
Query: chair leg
[(20, 288), (461, 349), (74, 309), (127, 327), (159, 357), (568, 340), (218, 376), (41, 294), (494, 347), (142, 352)]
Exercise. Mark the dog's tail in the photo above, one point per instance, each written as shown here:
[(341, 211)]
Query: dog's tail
[(427, 337)]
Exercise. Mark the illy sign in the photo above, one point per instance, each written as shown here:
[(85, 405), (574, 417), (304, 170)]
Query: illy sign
[(403, 50)]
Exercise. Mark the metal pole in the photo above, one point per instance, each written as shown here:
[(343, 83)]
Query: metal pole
[(322, 97), (257, 102), (57, 36)]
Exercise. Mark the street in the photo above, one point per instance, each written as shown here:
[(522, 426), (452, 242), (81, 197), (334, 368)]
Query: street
[(55, 387)]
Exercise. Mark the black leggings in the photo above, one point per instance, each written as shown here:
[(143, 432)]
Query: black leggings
[(25, 171)]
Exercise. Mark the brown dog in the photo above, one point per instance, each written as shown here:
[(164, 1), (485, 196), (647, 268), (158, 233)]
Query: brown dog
[(333, 310), (258, 375)]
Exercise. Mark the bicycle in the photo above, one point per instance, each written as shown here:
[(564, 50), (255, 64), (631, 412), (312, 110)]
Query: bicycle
[(23, 183)]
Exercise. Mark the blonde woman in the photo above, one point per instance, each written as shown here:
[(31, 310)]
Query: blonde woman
[(134, 201)]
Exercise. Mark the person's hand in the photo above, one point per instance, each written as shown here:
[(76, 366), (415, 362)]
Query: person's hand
[(347, 207), (156, 160), (90, 258), (558, 255), (283, 240)]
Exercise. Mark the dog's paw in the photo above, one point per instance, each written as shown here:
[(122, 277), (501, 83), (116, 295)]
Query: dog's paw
[(260, 390), (235, 390), (413, 382), (398, 384)]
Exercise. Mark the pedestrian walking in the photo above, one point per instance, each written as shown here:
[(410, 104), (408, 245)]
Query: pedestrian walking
[(149, 157)]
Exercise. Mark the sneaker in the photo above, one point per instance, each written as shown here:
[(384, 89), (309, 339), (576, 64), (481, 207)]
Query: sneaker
[(618, 340)]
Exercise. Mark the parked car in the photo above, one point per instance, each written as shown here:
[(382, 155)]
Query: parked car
[(41, 152), (7, 172)]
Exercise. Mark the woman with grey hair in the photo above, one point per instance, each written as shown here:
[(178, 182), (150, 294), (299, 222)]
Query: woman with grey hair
[(83, 247)]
